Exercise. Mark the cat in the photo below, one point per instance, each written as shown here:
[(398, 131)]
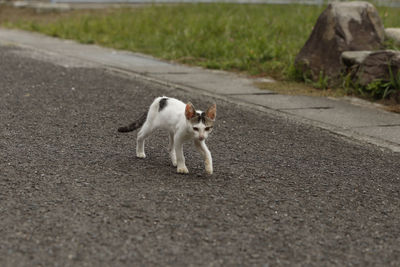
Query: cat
[(183, 122)]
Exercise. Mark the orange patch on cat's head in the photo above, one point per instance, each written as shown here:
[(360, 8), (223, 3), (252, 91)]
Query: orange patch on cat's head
[(212, 112), (190, 112)]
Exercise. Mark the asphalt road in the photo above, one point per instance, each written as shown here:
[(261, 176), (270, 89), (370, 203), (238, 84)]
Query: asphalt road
[(283, 193)]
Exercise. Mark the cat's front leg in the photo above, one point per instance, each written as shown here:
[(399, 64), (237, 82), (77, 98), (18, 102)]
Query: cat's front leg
[(203, 149), (180, 159)]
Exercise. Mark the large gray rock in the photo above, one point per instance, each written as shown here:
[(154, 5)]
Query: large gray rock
[(366, 66), (343, 26)]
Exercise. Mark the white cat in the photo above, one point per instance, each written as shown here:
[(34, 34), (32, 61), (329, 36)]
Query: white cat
[(182, 122)]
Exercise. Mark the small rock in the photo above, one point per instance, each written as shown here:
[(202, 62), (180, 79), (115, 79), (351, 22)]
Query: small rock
[(394, 34), (350, 58), (372, 66)]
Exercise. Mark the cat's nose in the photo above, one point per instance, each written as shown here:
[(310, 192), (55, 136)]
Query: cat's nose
[(201, 138)]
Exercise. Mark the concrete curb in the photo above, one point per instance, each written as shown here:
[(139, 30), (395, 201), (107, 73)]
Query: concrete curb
[(364, 123)]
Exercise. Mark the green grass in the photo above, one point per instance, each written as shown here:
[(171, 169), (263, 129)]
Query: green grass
[(255, 39)]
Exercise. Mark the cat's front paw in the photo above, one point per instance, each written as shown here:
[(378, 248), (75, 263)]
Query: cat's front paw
[(173, 160), (140, 155), (182, 170), (209, 167)]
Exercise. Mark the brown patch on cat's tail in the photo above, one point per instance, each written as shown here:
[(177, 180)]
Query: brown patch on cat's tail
[(134, 125)]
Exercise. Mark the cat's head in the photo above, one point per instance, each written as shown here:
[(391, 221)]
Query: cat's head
[(201, 123)]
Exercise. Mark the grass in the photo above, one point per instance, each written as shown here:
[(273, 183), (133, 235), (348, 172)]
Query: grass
[(258, 40)]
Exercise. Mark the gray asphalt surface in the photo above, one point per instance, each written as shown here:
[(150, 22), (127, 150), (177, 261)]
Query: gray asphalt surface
[(72, 192)]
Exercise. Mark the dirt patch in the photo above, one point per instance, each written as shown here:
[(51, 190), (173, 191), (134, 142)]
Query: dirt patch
[(293, 88)]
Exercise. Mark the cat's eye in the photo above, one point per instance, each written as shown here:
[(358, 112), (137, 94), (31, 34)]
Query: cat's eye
[(196, 129), (208, 128)]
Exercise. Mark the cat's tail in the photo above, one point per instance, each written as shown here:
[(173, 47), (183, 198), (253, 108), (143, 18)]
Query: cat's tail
[(134, 125)]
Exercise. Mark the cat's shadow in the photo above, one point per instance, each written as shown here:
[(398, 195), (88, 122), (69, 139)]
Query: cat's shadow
[(159, 165)]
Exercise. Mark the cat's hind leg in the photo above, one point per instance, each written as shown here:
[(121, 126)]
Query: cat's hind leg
[(171, 149), (148, 127), (144, 132)]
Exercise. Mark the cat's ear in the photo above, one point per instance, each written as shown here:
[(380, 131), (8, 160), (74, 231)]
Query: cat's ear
[(190, 112), (211, 112)]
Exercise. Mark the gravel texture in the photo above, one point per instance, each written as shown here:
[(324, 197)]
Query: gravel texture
[(72, 192)]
